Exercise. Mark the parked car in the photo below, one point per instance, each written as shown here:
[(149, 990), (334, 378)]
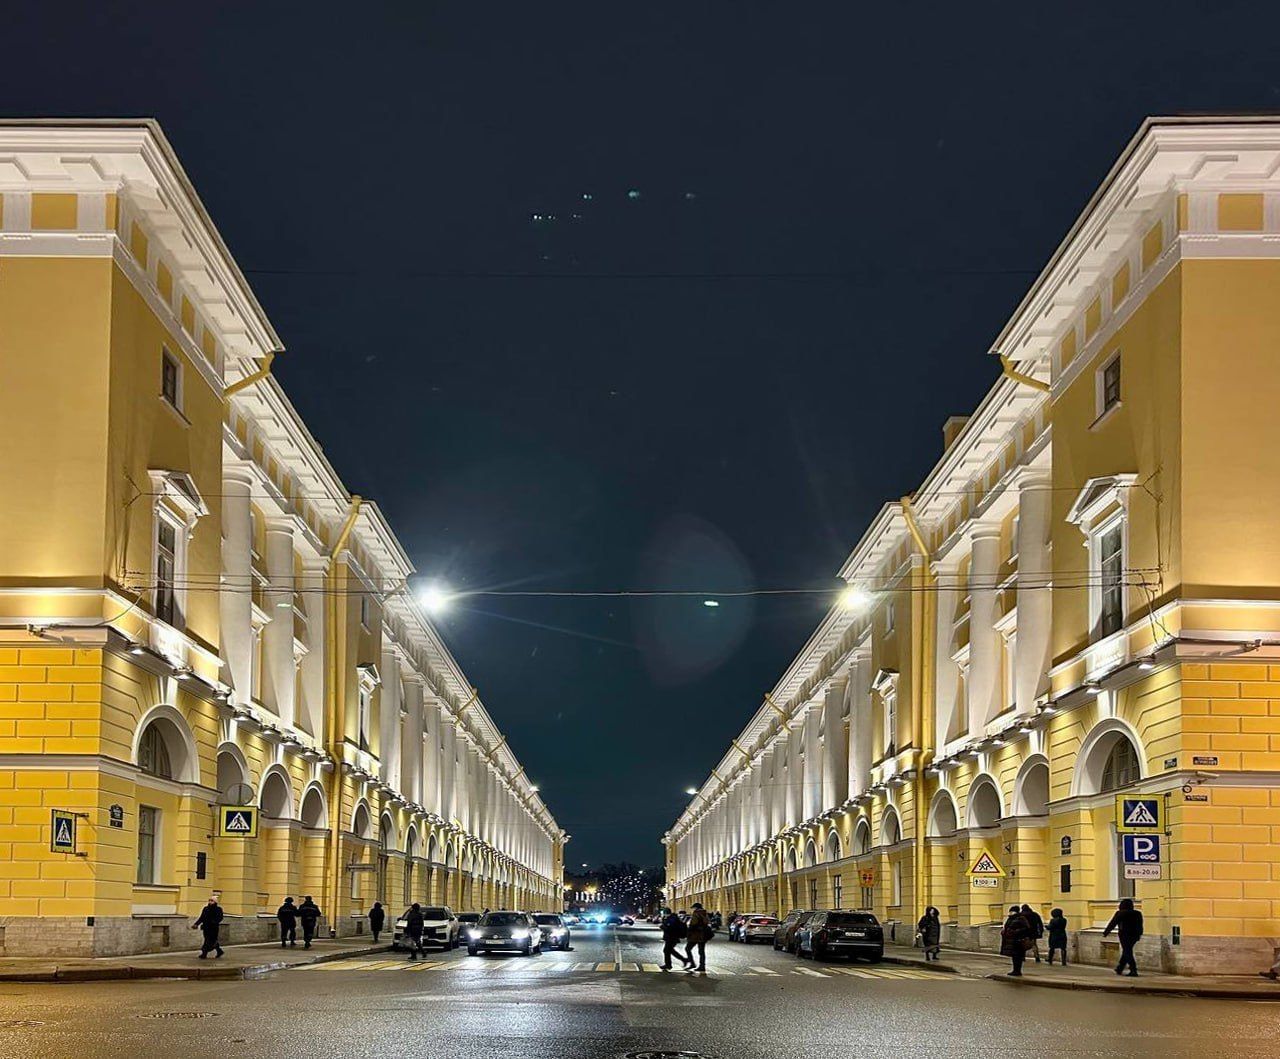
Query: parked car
[(757, 928), (784, 935), (505, 930), (834, 933), (440, 927), (465, 920), (555, 933)]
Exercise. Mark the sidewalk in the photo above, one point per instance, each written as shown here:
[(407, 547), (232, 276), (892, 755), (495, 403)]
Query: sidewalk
[(1088, 976), (240, 961)]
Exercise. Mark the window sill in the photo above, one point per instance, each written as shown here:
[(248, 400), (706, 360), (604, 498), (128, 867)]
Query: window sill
[(1104, 416)]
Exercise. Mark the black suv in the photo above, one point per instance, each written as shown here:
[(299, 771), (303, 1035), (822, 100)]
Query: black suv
[(841, 934), (785, 936)]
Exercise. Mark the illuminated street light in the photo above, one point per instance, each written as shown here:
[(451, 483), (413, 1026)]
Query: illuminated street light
[(711, 603), (691, 790), (435, 599), (855, 599)]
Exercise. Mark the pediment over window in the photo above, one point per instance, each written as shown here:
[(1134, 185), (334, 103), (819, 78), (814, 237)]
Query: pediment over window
[(885, 680), (179, 489), (1099, 498), (369, 675)]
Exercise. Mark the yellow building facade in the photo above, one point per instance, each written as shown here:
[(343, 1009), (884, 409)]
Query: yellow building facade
[(1075, 615), (195, 612)]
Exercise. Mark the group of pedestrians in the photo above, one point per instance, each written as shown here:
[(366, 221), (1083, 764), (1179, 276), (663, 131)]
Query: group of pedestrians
[(695, 934), (1024, 927), (290, 915)]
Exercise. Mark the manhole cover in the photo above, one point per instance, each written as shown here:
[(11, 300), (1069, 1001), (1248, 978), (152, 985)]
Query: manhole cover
[(666, 1054), (180, 1015), (17, 1024)]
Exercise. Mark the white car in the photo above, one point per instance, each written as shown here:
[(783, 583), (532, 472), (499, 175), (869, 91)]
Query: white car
[(439, 927)]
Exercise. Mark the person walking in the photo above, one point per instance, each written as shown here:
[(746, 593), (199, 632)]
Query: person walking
[(377, 917), (413, 927), (1014, 939), (700, 933), (673, 931), (309, 912), (1127, 923), (1058, 935), (209, 921), (1037, 930), (930, 929), (287, 914)]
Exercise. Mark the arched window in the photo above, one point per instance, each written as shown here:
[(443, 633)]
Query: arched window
[(862, 839), (1122, 766), (833, 846), (890, 830), (153, 753)]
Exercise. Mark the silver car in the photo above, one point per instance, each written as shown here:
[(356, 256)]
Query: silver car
[(757, 928), (555, 932), (439, 927)]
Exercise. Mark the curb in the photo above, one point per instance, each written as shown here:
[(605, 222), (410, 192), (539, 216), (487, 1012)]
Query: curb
[(1148, 990), (144, 972)]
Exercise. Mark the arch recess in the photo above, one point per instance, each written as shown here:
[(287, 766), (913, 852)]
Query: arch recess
[(833, 845), (275, 794), (233, 769), (861, 837), (176, 734), (944, 815), (315, 807), (890, 827), (1031, 788), (1096, 748), (361, 821), (983, 806)]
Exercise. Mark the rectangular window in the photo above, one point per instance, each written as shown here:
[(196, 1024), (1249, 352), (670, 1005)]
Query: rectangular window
[(1110, 549), (171, 379), (837, 892), (1110, 384), (895, 880), (890, 616), (365, 617), (167, 544), (890, 720), (148, 830), (868, 896), (813, 893), (362, 717)]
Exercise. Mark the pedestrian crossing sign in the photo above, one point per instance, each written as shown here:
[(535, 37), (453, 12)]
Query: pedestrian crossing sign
[(986, 867), (62, 834), (237, 821), (1138, 814)]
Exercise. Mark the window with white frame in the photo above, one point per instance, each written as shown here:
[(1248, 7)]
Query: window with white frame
[(171, 379), (169, 563), (364, 705), (890, 616), (890, 698), (366, 618), (1101, 512), (148, 844), (895, 883), (1108, 561), (1108, 385)]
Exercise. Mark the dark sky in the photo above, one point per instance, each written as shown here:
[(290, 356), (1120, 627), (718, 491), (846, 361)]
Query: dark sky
[(711, 385)]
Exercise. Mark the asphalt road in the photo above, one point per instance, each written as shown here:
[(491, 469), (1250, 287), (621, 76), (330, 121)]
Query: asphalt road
[(603, 1000)]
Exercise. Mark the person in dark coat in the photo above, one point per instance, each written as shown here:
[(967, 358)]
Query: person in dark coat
[(1127, 923), (673, 932), (377, 917), (1037, 930), (209, 921), (930, 929), (309, 913), (414, 924), (287, 914), (1013, 939), (1058, 935), (700, 932)]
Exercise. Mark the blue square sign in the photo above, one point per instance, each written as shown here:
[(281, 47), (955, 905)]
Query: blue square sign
[(1141, 849)]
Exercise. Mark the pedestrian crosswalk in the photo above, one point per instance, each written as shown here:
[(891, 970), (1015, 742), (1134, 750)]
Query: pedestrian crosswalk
[(518, 967)]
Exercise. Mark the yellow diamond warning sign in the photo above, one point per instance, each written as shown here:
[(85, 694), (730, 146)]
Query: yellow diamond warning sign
[(986, 867)]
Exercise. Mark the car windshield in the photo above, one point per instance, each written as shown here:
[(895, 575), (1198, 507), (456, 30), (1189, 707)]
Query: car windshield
[(503, 919), (851, 919), (434, 913), (548, 921)]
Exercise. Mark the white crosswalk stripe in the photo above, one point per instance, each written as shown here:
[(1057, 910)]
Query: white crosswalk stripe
[(520, 967)]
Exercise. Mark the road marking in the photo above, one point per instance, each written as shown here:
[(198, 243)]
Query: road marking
[(606, 967), (809, 971), (650, 967), (763, 970)]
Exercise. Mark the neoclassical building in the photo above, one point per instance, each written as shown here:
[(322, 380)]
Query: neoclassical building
[(1079, 604), (194, 610)]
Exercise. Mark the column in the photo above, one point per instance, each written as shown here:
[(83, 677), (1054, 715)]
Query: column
[(390, 706), (432, 755), (449, 750), (278, 672), (1035, 603), (950, 716), (835, 748), (793, 776), (235, 601), (412, 733), (984, 640), (860, 733), (773, 803), (812, 768), (309, 712)]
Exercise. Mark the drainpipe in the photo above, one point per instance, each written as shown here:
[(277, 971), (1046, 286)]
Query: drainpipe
[(331, 711), (256, 377), (1026, 380), (922, 700)]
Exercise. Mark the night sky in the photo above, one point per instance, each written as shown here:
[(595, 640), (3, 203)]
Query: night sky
[(773, 244)]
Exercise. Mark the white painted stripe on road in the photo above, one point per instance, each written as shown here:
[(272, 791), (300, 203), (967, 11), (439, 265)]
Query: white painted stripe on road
[(606, 967), (650, 967), (763, 970), (809, 971), (584, 967)]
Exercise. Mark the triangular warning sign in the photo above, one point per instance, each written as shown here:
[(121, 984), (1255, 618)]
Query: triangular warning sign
[(1139, 816), (986, 865), (62, 836), (238, 822)]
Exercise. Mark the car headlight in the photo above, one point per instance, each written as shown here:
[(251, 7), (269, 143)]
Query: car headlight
[(519, 935), (473, 934)]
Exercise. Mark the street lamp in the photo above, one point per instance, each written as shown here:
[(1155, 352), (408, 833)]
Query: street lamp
[(435, 598)]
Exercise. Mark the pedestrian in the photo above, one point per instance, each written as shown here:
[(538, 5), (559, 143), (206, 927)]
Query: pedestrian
[(673, 930), (930, 928), (700, 933), (377, 916), (1058, 935), (1274, 972), (309, 912), (1127, 923), (209, 921), (1037, 930), (287, 914), (1015, 939), (413, 927)]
